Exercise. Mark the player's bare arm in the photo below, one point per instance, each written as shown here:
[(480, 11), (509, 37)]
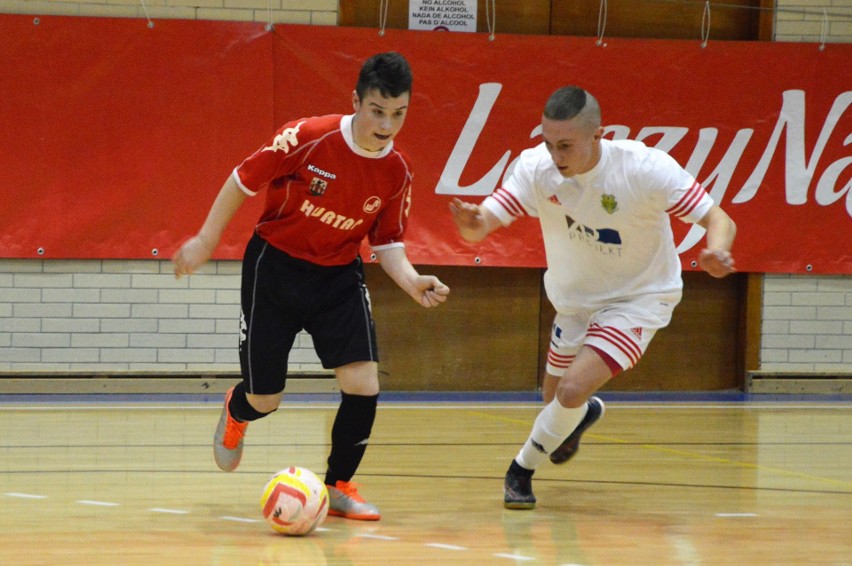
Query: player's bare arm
[(716, 258), (197, 250), (427, 290), (474, 222)]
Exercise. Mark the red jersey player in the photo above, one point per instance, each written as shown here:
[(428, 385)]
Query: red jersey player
[(329, 181)]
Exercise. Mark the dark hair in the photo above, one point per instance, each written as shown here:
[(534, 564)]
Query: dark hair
[(388, 73), (569, 101)]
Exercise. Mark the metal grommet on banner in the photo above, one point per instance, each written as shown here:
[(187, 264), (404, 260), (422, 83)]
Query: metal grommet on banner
[(145, 9), (601, 24), (40, 251), (36, 21), (693, 263), (269, 26), (383, 16), (809, 267), (155, 252), (705, 24), (477, 260), (491, 18), (373, 257)]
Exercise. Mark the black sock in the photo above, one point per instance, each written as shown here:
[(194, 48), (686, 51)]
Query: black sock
[(239, 406), (349, 436)]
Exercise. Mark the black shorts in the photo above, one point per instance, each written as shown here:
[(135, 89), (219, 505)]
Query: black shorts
[(281, 296)]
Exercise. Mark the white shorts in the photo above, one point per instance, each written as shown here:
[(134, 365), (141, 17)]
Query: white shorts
[(623, 330)]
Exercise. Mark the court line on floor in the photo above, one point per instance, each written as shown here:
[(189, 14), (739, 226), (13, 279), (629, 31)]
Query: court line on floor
[(247, 520)]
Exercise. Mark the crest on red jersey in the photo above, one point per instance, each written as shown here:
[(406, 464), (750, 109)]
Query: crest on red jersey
[(318, 187)]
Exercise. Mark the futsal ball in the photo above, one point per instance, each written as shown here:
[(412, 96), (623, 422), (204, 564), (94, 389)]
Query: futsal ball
[(294, 501)]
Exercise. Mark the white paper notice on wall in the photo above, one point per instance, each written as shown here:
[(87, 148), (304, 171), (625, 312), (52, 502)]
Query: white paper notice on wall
[(442, 15)]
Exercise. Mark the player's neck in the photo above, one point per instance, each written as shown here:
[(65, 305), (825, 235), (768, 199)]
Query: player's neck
[(358, 143), (594, 160)]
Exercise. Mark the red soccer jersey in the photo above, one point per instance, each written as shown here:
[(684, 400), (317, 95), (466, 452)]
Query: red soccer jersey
[(324, 193)]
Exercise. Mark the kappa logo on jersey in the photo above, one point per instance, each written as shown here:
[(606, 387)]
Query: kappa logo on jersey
[(317, 187), (606, 240), (609, 204), (372, 204), (554, 200), (285, 140), (320, 172), (637, 332), (329, 217)]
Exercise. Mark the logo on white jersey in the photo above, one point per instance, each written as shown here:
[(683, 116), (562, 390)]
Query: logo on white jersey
[(372, 204), (285, 140), (606, 241), (608, 203)]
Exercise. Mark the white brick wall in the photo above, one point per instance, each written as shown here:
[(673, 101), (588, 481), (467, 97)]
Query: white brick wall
[(132, 316), (807, 324), (809, 20), (123, 316)]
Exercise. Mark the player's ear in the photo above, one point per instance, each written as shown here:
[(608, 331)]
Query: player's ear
[(356, 102)]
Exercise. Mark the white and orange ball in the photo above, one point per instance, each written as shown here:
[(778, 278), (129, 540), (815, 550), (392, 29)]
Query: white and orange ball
[(294, 501)]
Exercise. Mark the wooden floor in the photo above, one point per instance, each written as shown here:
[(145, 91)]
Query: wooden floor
[(654, 483)]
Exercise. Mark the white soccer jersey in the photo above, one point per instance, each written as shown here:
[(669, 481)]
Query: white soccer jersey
[(607, 233)]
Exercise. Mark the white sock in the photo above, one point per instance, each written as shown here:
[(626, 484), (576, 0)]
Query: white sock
[(553, 425)]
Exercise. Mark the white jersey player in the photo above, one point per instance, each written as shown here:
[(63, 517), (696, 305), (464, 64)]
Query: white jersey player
[(613, 274)]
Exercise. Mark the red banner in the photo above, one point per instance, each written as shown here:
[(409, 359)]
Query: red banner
[(119, 135)]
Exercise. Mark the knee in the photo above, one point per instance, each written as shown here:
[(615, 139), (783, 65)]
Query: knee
[(264, 403), (360, 378), (364, 388), (570, 395)]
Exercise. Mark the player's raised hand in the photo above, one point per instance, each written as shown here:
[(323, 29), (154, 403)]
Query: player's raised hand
[(473, 221), (717, 263), (466, 215), (190, 256)]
